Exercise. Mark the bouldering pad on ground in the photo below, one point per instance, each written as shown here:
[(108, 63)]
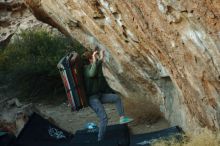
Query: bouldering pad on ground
[(40, 132), (115, 134), (147, 138)]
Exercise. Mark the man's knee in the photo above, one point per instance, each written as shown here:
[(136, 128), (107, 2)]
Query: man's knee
[(94, 104), (117, 98), (104, 119)]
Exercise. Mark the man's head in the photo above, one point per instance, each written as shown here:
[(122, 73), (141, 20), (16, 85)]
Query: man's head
[(87, 56)]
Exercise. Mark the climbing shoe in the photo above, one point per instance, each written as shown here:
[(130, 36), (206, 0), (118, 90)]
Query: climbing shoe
[(125, 120)]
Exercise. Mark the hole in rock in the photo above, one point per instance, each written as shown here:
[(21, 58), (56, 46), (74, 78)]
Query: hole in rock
[(116, 15)]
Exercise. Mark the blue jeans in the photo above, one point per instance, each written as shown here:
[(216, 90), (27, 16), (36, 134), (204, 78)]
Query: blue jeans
[(96, 101)]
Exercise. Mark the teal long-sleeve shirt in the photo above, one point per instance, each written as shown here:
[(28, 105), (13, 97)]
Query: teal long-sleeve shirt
[(95, 82)]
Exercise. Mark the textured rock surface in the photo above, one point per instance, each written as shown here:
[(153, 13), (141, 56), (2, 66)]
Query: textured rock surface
[(14, 17), (13, 115), (165, 51)]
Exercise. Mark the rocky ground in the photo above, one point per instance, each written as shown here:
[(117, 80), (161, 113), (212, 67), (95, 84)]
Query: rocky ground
[(13, 115), (72, 121)]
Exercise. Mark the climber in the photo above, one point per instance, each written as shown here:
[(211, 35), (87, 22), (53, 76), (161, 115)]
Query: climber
[(98, 90)]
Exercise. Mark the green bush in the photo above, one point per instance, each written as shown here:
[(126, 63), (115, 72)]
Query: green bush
[(29, 62)]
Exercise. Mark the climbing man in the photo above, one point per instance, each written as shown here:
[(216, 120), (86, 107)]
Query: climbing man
[(98, 90)]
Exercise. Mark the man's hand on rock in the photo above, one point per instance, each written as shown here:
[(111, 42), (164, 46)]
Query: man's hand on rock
[(94, 56), (102, 55)]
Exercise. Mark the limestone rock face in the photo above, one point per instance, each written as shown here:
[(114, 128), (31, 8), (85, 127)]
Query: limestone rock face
[(164, 51), (15, 17), (14, 115)]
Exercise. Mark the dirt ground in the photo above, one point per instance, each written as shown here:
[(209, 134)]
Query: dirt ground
[(72, 121)]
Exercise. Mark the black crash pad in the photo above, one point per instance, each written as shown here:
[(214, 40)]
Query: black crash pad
[(116, 135), (7, 139), (40, 132), (147, 138), (95, 143)]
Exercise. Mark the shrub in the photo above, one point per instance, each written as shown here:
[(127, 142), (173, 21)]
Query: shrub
[(29, 62)]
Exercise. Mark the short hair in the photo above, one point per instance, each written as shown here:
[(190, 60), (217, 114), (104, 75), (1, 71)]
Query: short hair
[(87, 55)]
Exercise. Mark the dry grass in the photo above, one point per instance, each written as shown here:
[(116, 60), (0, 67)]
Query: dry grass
[(204, 138), (142, 111)]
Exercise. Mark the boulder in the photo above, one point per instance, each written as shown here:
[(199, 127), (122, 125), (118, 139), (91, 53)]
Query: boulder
[(14, 115), (14, 18), (163, 51)]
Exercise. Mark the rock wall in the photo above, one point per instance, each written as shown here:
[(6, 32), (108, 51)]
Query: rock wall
[(15, 17), (14, 115), (165, 51)]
